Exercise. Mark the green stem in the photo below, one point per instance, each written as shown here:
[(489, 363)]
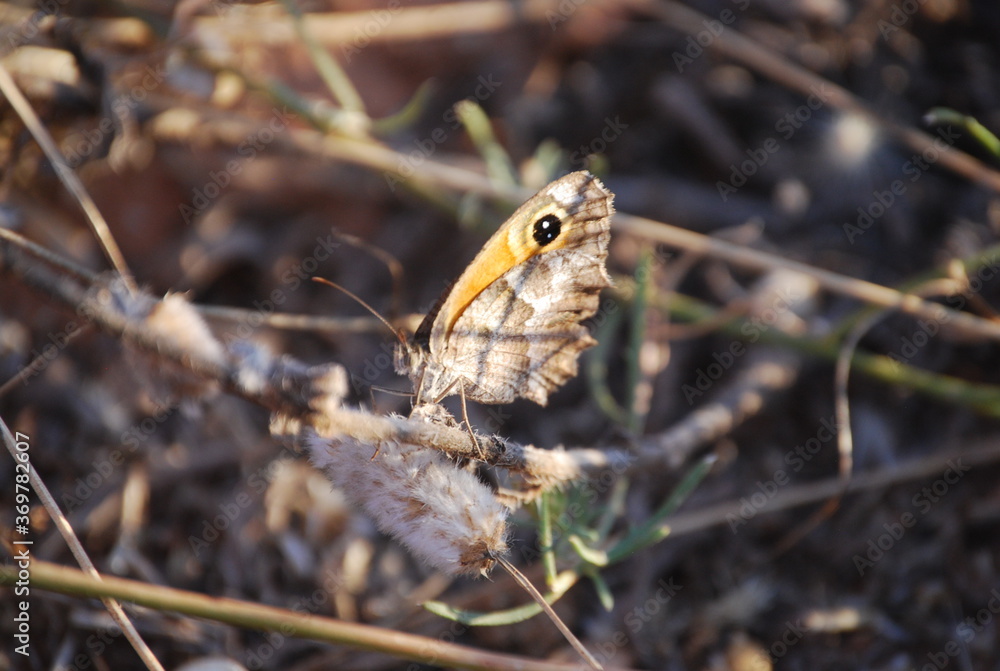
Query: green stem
[(498, 164), (945, 115), (653, 530), (981, 398), (332, 74), (637, 338), (545, 537)]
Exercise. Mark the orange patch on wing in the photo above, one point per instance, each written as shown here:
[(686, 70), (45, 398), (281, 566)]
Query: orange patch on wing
[(501, 253), (489, 265)]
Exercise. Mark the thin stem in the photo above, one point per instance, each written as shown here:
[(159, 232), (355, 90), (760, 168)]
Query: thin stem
[(79, 553), (333, 75), (64, 580), (67, 176), (545, 536)]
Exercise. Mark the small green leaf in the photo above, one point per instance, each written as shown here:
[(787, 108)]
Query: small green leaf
[(945, 115), (597, 368), (633, 372), (604, 594), (545, 536), (476, 619), (563, 582), (587, 553), (498, 164), (408, 115), (329, 69), (654, 529), (548, 159)]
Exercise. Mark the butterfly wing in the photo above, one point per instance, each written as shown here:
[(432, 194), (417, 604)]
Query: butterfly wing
[(520, 335)]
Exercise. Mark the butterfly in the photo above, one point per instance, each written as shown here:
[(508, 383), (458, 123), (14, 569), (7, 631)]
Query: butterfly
[(510, 325)]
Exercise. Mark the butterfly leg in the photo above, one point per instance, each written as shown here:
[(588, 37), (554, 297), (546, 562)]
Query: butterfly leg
[(468, 425)]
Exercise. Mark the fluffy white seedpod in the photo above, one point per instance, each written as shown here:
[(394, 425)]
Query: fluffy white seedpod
[(172, 322), (179, 323), (175, 321), (444, 515)]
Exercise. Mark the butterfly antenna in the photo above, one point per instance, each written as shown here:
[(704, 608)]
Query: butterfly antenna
[(360, 301), (391, 392), (523, 581)]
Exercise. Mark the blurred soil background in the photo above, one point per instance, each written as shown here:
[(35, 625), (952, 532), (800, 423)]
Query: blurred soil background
[(171, 116)]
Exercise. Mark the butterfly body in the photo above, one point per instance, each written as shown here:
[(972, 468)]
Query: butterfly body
[(510, 326)]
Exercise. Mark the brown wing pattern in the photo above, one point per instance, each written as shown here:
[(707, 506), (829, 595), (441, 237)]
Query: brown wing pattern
[(521, 336), (535, 335)]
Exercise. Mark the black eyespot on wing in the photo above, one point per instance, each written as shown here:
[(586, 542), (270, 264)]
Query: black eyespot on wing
[(547, 229)]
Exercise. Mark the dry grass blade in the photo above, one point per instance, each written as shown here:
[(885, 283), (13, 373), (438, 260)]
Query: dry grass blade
[(523, 581), (80, 554), (764, 372), (382, 158), (984, 453), (98, 224), (863, 290), (409, 23)]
